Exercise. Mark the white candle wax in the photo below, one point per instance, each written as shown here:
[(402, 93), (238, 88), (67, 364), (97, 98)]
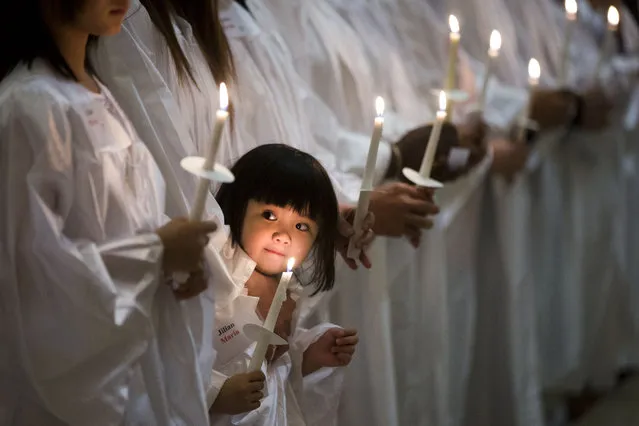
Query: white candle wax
[(369, 174), (203, 184), (534, 73), (453, 49), (271, 317), (606, 48), (433, 141), (373, 148), (571, 19), (493, 53)]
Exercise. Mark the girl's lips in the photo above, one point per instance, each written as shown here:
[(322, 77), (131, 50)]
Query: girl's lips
[(275, 252)]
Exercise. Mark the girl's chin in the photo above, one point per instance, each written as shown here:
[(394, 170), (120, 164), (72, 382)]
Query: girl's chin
[(269, 270)]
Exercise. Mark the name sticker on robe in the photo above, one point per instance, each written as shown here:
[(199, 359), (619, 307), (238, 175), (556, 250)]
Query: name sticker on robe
[(227, 332), (229, 341), (238, 23)]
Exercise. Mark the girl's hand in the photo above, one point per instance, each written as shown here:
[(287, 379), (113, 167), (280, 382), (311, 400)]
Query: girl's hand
[(346, 232), (334, 349), (240, 394)]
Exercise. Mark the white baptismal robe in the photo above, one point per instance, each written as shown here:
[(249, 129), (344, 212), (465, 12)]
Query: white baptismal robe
[(290, 399), (176, 120), (89, 327)]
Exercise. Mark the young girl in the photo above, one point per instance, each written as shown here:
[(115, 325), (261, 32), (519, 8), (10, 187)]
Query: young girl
[(90, 333), (281, 205)]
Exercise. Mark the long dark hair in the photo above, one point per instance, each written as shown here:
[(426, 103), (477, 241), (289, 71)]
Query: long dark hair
[(26, 36), (203, 17), (161, 13), (286, 177)]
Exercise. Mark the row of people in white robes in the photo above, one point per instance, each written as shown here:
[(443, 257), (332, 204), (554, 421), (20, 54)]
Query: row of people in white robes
[(93, 329)]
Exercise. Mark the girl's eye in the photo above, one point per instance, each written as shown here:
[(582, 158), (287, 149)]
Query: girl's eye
[(303, 227), (268, 215)]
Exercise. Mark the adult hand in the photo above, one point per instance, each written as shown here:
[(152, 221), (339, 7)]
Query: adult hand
[(401, 209), (183, 242), (508, 158), (596, 109), (363, 239), (196, 284), (550, 108)]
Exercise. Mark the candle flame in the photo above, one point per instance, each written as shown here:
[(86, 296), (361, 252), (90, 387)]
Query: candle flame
[(379, 106), (613, 16), (454, 24), (442, 101), (571, 7), (224, 97), (290, 264), (495, 40), (534, 69)]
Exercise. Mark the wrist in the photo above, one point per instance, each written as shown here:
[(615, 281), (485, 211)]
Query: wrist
[(575, 109), (309, 366)]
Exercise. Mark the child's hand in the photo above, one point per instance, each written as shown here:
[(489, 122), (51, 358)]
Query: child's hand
[(240, 394), (334, 349)]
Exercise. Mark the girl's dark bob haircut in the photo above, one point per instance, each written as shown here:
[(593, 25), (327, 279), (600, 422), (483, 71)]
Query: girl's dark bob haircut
[(286, 177)]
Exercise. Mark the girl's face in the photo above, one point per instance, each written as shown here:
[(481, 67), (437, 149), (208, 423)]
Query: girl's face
[(100, 17), (272, 234)]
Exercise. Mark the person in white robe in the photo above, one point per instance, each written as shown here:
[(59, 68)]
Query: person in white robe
[(281, 205), (126, 64), (90, 324)]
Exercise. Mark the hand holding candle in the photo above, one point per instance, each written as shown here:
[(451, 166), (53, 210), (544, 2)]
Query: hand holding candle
[(534, 73), (493, 53), (422, 177), (433, 141), (207, 170), (203, 184), (571, 18), (271, 317), (606, 48), (367, 180)]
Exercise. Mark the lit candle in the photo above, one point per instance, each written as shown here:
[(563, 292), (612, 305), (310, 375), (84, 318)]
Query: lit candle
[(369, 173), (433, 141), (534, 73), (451, 76), (371, 160), (613, 24), (209, 163), (571, 19), (493, 53), (271, 317)]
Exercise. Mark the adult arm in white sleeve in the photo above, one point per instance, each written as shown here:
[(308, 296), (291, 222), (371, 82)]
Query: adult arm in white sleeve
[(78, 303)]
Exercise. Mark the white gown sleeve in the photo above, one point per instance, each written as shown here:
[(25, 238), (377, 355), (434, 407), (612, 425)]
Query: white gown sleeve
[(318, 393), (78, 310)]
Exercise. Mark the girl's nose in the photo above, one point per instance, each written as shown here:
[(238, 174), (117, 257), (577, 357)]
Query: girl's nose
[(282, 238)]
